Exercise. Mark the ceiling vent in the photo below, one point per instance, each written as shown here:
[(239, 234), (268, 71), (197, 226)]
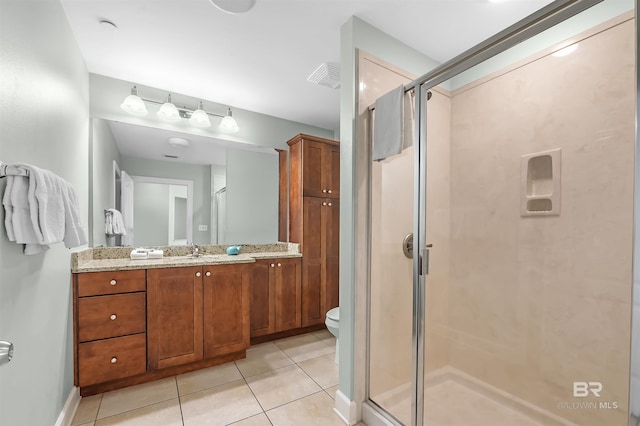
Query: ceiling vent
[(327, 74)]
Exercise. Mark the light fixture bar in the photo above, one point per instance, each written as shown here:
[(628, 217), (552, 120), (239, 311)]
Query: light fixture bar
[(169, 112), (183, 109)]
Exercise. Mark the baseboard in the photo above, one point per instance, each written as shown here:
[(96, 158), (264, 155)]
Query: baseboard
[(346, 409), (69, 409)]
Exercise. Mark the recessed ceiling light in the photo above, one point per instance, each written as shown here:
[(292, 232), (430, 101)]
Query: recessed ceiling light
[(108, 26)]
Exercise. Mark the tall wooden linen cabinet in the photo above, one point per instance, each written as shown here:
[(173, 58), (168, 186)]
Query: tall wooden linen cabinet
[(314, 221)]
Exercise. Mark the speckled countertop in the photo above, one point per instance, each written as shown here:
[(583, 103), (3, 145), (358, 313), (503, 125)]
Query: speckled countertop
[(117, 258)]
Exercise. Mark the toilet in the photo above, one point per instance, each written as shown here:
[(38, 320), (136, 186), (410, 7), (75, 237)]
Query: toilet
[(332, 322)]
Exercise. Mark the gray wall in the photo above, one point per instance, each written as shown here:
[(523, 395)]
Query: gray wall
[(44, 120), (104, 152), (200, 175), (357, 34), (252, 197), (256, 129), (151, 219)]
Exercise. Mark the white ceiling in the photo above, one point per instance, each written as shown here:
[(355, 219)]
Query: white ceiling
[(152, 143), (260, 60)]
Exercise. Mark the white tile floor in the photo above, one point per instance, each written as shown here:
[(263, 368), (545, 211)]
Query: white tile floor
[(282, 383)]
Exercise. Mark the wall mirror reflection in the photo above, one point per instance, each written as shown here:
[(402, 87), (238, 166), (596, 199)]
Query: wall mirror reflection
[(174, 189)]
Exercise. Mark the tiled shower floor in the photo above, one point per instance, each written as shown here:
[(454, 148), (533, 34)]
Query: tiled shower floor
[(452, 404), (286, 382)]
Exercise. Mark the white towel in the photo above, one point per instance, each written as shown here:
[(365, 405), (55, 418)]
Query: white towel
[(388, 124), (114, 223), (126, 200), (43, 209)]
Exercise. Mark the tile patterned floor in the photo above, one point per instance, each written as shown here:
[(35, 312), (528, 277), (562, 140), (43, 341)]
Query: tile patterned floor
[(282, 383)]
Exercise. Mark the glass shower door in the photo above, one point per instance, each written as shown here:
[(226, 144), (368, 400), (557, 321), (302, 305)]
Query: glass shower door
[(530, 173), (391, 373)]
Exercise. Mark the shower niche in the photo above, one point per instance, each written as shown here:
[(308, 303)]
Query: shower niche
[(540, 184)]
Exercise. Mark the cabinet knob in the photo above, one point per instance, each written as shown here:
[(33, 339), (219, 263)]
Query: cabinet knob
[(324, 204), (113, 282), (329, 204), (113, 317), (329, 191), (114, 360), (198, 274), (273, 265), (279, 264), (324, 191), (208, 274)]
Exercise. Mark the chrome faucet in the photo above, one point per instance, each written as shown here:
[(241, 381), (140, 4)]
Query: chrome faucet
[(195, 251)]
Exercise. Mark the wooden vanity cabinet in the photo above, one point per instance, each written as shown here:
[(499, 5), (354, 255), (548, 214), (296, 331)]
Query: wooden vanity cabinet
[(110, 326), (314, 222), (197, 313), (275, 296), (226, 309), (319, 160), (320, 276), (174, 316)]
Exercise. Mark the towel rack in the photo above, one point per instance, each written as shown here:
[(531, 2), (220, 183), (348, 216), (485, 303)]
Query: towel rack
[(3, 171)]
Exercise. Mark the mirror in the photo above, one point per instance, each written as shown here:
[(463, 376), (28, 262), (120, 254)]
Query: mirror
[(190, 189)]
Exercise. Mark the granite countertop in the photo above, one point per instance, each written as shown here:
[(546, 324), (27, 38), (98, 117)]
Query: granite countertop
[(117, 259)]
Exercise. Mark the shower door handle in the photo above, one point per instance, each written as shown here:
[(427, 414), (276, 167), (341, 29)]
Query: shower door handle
[(424, 260), (6, 352)]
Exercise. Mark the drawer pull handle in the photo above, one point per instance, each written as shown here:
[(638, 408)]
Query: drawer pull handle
[(198, 274), (279, 264), (113, 282), (208, 274), (273, 265), (324, 191), (324, 204), (113, 317), (329, 191), (329, 204), (114, 360)]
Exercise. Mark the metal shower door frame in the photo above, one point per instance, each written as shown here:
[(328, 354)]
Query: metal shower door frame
[(542, 20)]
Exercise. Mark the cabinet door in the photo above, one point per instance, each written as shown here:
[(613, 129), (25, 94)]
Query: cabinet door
[(332, 273), (226, 309), (332, 171), (288, 288), (314, 211), (263, 297), (313, 169), (174, 316)]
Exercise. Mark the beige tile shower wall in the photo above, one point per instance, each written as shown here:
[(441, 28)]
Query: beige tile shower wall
[(536, 303), (438, 232), (391, 271)]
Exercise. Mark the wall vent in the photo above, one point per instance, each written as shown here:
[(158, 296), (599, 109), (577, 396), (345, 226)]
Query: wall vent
[(327, 74)]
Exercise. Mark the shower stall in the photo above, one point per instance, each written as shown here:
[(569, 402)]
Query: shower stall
[(513, 305)]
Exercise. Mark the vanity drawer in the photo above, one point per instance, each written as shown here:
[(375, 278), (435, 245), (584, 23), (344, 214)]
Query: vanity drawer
[(111, 359), (97, 283), (102, 317)]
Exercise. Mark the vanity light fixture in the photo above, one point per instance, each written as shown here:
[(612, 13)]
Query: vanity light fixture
[(199, 117), (134, 104), (168, 111), (228, 123)]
